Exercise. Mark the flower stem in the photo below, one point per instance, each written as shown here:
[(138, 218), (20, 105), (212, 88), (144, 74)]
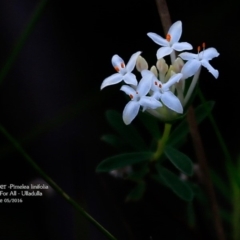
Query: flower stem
[(22, 39), (192, 86), (173, 56), (54, 185), (162, 142), (180, 89)]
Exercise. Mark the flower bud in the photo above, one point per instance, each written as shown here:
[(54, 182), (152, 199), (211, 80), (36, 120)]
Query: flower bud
[(177, 65), (141, 64), (169, 73), (162, 66), (154, 70)]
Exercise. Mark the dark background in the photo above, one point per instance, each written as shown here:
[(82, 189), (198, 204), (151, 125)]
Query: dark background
[(51, 102)]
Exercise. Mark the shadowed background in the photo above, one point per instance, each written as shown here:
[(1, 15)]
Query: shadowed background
[(52, 103)]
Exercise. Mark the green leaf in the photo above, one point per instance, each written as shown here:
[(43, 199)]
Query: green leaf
[(226, 215), (137, 193), (179, 160), (191, 215), (179, 187), (199, 194), (158, 179), (151, 124), (113, 140), (201, 112), (233, 171), (128, 132), (138, 175), (123, 160), (221, 185)]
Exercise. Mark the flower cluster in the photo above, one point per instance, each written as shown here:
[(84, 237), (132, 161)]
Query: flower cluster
[(161, 90)]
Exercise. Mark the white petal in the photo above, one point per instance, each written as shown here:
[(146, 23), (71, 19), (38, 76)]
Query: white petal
[(144, 86), (132, 62), (128, 90), (146, 73), (209, 67), (130, 111), (182, 46), (149, 102), (190, 68), (113, 79), (155, 85), (175, 78), (157, 95), (172, 102), (150, 75), (209, 54), (175, 32), (158, 39), (188, 56), (130, 78), (116, 61), (163, 51)]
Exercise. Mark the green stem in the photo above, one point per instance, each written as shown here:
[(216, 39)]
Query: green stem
[(25, 34), (54, 185), (162, 142), (236, 210), (192, 86), (173, 56)]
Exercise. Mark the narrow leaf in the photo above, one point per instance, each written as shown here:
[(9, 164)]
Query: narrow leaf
[(179, 160), (182, 130), (137, 193), (233, 173), (123, 160), (139, 174), (191, 215), (226, 216), (221, 185), (179, 187), (113, 140)]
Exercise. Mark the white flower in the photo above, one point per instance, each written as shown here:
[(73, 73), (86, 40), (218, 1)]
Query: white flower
[(171, 42), (196, 60), (161, 91), (124, 72), (138, 98)]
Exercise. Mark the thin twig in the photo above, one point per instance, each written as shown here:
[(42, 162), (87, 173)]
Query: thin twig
[(164, 15), (202, 160), (200, 153)]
